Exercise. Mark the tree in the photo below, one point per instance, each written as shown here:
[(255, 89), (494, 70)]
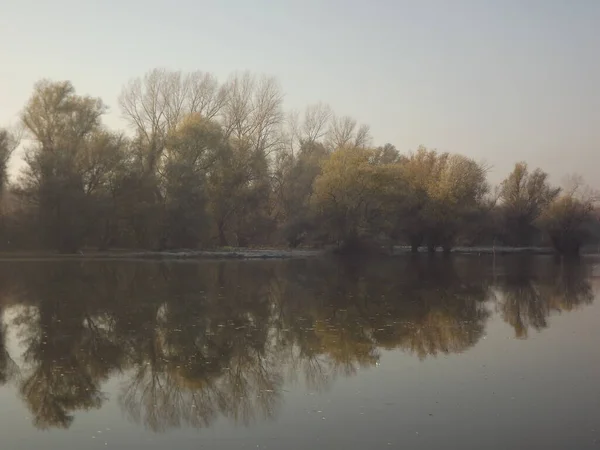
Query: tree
[(99, 166), (348, 195), (387, 154), (293, 185), (455, 199), (443, 192), (150, 109), (317, 118), (192, 151), (8, 144), (523, 197), (210, 161), (155, 105), (237, 191), (567, 219), (66, 163), (345, 132), (252, 111), (418, 171)]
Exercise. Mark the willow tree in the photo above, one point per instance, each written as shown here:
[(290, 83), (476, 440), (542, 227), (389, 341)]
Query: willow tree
[(568, 218), (67, 163), (238, 193), (293, 186), (191, 153), (443, 192), (523, 197), (349, 195), (8, 143), (419, 170), (455, 198)]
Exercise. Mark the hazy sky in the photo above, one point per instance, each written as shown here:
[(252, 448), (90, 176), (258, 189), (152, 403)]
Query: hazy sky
[(500, 80)]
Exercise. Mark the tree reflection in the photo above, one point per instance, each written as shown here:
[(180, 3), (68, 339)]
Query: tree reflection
[(68, 349), (193, 342), (532, 289), (8, 368), (207, 352)]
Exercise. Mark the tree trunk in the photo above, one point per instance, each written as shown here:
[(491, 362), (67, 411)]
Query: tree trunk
[(222, 237), (415, 243)]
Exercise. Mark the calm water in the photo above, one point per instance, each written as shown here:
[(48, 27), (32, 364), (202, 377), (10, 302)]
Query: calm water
[(467, 353)]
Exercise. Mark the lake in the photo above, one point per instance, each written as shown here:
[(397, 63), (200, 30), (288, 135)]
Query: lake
[(418, 352)]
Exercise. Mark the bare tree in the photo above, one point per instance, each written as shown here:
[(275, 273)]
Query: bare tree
[(176, 92), (363, 136), (290, 134), (252, 112), (156, 103), (344, 132), (143, 103), (316, 121), (205, 96), (341, 132)]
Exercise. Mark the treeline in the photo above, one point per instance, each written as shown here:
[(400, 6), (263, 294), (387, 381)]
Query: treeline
[(209, 164)]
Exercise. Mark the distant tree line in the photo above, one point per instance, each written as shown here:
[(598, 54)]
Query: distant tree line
[(209, 164)]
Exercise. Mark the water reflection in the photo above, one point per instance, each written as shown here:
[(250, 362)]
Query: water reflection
[(197, 341), (532, 290)]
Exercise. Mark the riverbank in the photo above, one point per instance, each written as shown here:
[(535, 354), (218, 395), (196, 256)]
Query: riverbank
[(242, 253), (256, 254)]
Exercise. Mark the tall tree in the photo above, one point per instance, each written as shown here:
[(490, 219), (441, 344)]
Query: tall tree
[(345, 131), (62, 171), (523, 197), (349, 195), (192, 151), (252, 112), (569, 219), (293, 187), (8, 144)]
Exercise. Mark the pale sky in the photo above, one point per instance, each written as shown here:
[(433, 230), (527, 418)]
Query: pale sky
[(497, 80)]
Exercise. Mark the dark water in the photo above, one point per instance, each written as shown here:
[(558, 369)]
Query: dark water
[(467, 353)]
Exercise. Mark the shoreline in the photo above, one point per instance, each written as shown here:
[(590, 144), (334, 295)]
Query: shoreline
[(256, 254), (238, 254)]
